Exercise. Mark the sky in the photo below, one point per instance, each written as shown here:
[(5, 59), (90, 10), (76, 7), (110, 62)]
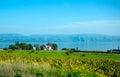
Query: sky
[(29, 17)]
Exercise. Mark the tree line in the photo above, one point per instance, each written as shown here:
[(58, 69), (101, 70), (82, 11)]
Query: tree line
[(25, 46)]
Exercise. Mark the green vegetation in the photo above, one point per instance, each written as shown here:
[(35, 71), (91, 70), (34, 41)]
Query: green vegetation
[(26, 63), (22, 46), (25, 46)]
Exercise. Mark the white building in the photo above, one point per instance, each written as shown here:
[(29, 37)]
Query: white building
[(47, 47)]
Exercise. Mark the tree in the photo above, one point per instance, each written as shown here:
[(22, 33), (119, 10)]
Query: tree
[(23, 46), (17, 44), (49, 44), (12, 47), (54, 46), (65, 49), (37, 46), (29, 47), (42, 47)]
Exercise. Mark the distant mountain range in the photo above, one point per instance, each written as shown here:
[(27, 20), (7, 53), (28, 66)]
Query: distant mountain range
[(58, 38)]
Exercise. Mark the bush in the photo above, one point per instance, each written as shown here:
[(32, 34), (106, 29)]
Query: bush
[(83, 55), (39, 74), (5, 49), (72, 49), (65, 49), (69, 52)]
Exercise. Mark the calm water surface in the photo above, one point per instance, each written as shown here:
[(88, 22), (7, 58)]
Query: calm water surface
[(80, 45)]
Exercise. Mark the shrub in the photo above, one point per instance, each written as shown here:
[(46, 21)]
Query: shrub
[(72, 49), (83, 55), (39, 74), (5, 49), (69, 52), (65, 49)]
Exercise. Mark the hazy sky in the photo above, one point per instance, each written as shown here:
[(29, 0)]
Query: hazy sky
[(60, 16)]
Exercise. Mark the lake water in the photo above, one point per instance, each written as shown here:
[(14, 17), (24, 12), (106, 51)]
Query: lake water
[(80, 45)]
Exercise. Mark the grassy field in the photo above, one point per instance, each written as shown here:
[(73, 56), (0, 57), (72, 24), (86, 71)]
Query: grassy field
[(58, 64)]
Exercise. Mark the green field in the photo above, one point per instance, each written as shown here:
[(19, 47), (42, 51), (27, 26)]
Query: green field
[(58, 64)]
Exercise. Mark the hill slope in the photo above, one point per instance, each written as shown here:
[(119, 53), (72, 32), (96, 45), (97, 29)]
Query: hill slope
[(58, 38)]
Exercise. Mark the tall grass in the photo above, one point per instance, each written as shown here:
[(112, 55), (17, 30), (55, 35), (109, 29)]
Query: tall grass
[(56, 64)]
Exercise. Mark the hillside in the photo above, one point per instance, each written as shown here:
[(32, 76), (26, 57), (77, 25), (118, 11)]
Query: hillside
[(58, 38)]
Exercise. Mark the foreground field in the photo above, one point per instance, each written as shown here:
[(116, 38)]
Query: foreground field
[(58, 64)]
